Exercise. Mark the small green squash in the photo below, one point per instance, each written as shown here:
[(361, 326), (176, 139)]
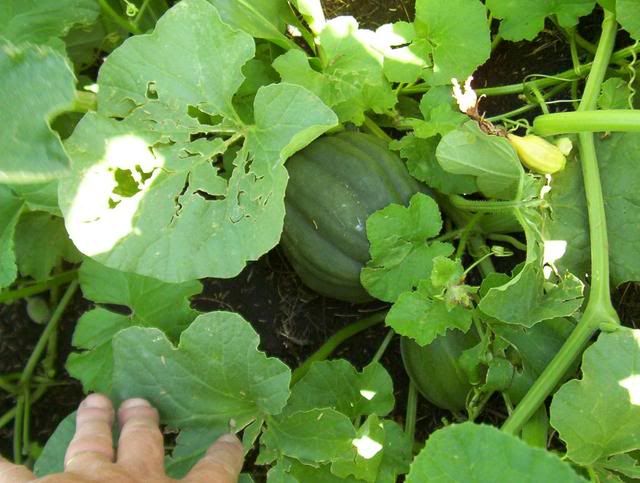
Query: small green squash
[(435, 369), (335, 183)]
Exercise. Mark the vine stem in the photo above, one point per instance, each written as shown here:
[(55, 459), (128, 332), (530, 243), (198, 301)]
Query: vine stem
[(128, 26), (335, 340), (599, 308), (383, 346), (38, 287), (528, 107), (621, 120), (490, 206), (52, 325), (412, 410), (24, 400), (375, 130), (568, 75)]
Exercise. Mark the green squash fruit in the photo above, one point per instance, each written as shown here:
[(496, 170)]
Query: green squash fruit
[(435, 368), (335, 183)]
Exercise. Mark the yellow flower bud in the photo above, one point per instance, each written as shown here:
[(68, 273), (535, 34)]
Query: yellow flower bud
[(537, 154)]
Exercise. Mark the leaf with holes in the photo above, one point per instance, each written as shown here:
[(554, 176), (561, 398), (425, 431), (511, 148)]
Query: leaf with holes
[(146, 193)]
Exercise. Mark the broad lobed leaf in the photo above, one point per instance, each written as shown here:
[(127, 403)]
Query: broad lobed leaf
[(610, 377), (475, 452), (146, 193), (214, 375)]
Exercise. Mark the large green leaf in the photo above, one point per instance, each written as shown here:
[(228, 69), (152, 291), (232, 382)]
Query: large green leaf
[(524, 19), (405, 55), (215, 375), (191, 444), (39, 196), (351, 79), (480, 453), (438, 304), (38, 21), (264, 19), (369, 443), (420, 155), (618, 158), (528, 298), (150, 302), (315, 436), (51, 460), (42, 244), (338, 385), (312, 12), (41, 85), (628, 15), (10, 209), (458, 32), (490, 159), (599, 415), (146, 193), (400, 254), (536, 347)]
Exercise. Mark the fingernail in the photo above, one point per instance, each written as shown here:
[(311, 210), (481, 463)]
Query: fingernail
[(135, 403), (96, 401), (229, 438)]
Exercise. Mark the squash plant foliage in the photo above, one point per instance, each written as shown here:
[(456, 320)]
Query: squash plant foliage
[(170, 167)]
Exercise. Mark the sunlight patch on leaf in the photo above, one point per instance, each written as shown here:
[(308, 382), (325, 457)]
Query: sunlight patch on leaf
[(104, 201), (368, 395), (632, 384), (350, 78), (367, 447)]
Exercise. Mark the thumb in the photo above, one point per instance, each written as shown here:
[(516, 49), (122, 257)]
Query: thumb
[(221, 463)]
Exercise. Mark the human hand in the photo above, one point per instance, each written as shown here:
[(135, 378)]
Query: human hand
[(91, 457)]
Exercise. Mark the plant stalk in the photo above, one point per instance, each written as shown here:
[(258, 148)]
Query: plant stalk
[(567, 75), (599, 308), (412, 410), (490, 206), (335, 340), (622, 120), (38, 287), (383, 346), (46, 333)]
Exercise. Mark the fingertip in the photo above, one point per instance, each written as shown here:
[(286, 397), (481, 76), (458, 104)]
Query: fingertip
[(229, 438), (96, 401), (222, 462), (12, 473), (135, 402), (136, 409)]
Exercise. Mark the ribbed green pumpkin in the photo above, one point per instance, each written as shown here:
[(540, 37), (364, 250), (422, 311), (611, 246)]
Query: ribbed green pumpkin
[(335, 184)]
